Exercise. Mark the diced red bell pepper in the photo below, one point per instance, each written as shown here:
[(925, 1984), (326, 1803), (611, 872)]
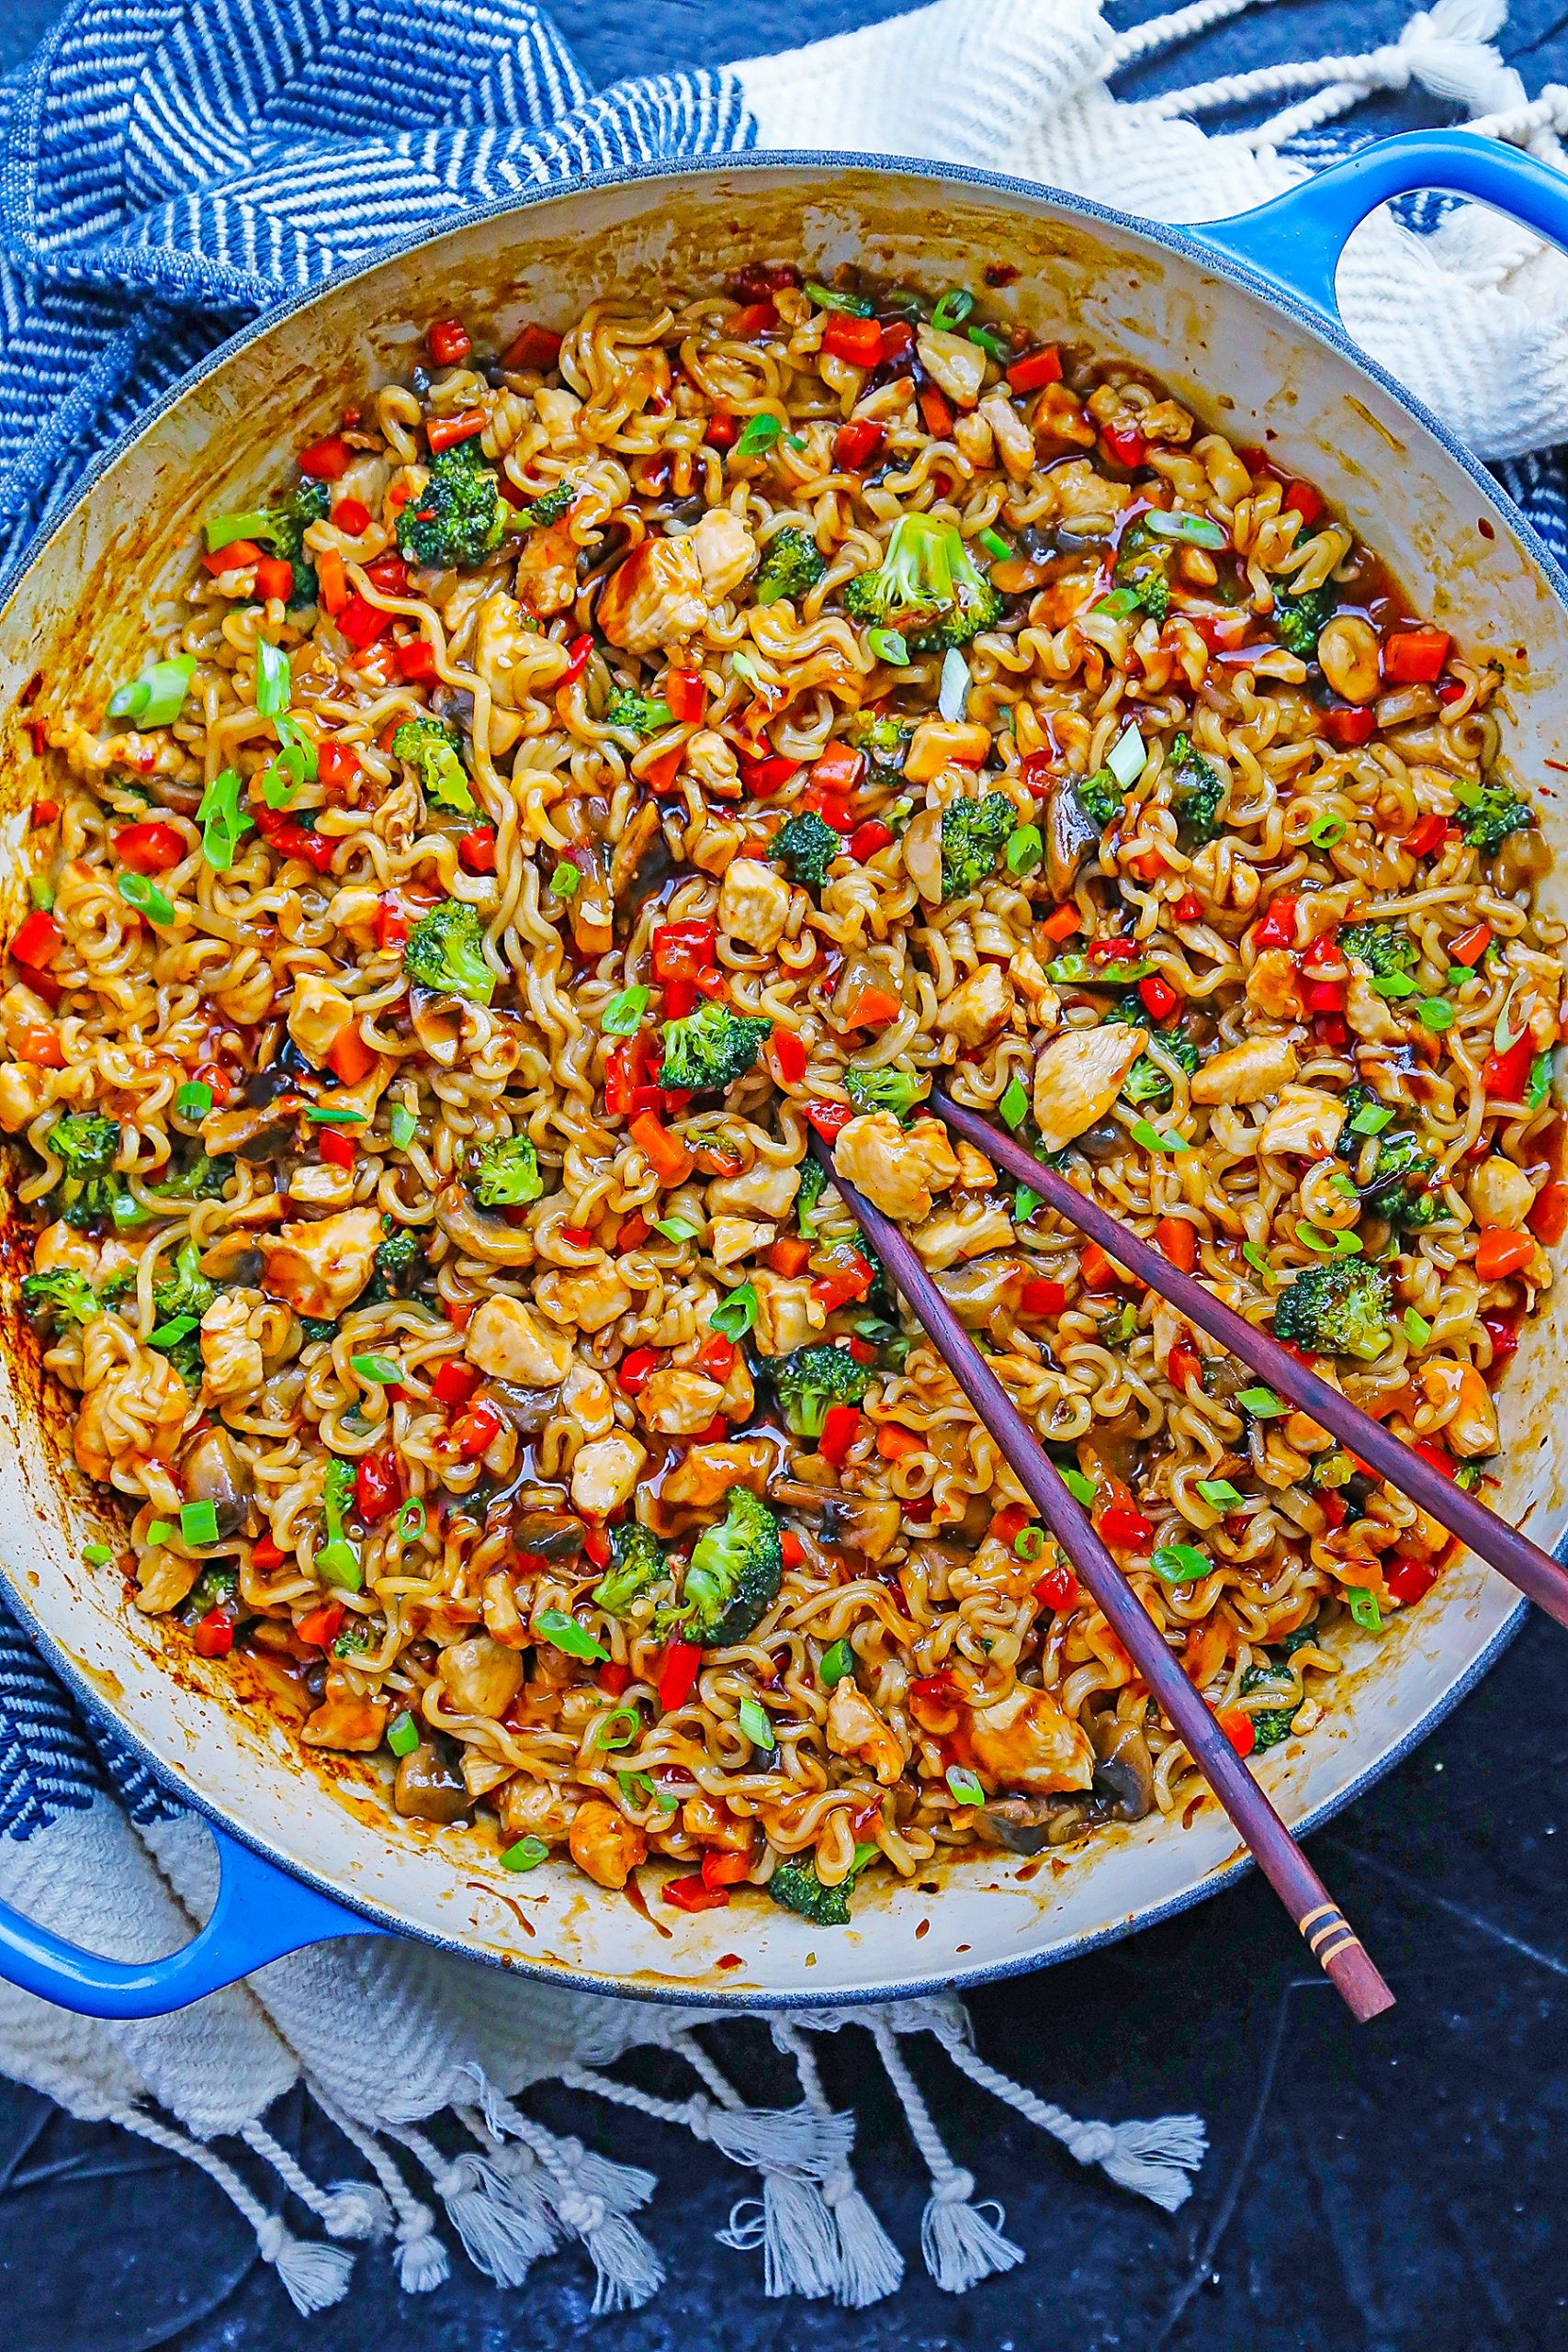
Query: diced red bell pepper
[(1034, 369), (389, 574), (455, 1383), (1043, 1296), (873, 1009), (265, 1554), (348, 1056), (833, 810), (1183, 1368), (1437, 1456), (613, 1677), (445, 432), (1499, 1251), (830, 1119), (1190, 908), (786, 1056), (41, 1047), (450, 342), (319, 1628), (240, 555), (149, 849), (723, 430), (1504, 1075), (1124, 1528), (1409, 1580), (686, 693), (1058, 1588), (678, 1675), (694, 1895), (716, 1357), (856, 444), (681, 950), (37, 940), (378, 1485), (476, 850), (362, 624), (935, 413), (214, 1637), (326, 460), (1304, 499), (841, 1427), (537, 349), (637, 1368), (1424, 837), (725, 1869), (1415, 657), (1503, 1331), (1349, 728), (1470, 945), (838, 769), (626, 1072), (475, 1430), (275, 578), (867, 839), (415, 661), (858, 342), (1322, 951), (1157, 997), (337, 1150), (1277, 927), (763, 777), (577, 654), (44, 812), (391, 924), (1325, 996), (756, 319), (352, 517), (1177, 1238), (845, 1283), (1123, 444), (1239, 1729)]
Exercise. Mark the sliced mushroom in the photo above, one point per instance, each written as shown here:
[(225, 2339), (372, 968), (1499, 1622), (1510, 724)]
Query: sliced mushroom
[(629, 849), (974, 1292), (922, 855), (1070, 834), (212, 1472), (429, 1786), (1124, 1772), (480, 1234)]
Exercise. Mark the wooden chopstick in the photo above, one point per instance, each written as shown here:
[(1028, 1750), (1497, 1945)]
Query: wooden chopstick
[(1330, 1938), (1535, 1572)]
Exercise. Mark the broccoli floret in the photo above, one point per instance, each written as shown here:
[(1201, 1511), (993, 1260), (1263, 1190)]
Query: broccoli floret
[(807, 847), (280, 527), (1339, 1310), (732, 1579), (507, 1175), (446, 951), (1400, 1160), (552, 506), (1272, 1724), (974, 834), (1100, 798), (639, 714), (186, 1291), (795, 1885), (1299, 621), (792, 563), (813, 1184), (811, 1379), (398, 1259), (203, 1180), (1356, 1098), (1140, 570), (1413, 1211), (64, 1294), (709, 1050), (927, 587), (1492, 814), (1145, 1081), (456, 517), (88, 1144), (435, 753), (1386, 948), (1196, 793), (886, 1089), (637, 1560), (884, 740)]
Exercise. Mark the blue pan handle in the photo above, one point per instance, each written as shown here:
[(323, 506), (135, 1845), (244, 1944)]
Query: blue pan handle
[(261, 1913), (1296, 240)]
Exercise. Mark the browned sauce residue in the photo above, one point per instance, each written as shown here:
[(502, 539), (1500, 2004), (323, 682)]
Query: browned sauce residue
[(511, 1901), (638, 1902)]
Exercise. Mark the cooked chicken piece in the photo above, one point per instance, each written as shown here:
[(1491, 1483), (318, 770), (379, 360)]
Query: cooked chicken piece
[(134, 1406), (975, 1171), (784, 1312), (1501, 1194), (479, 1677), (1086, 503), (502, 638), (164, 1579), (730, 1238), (322, 1187), (897, 1168), (726, 551), (604, 1844), (1271, 985), (60, 1248), (1015, 443), (1078, 1077), (585, 1299), (321, 1267), (1369, 1015), (346, 1722), (1025, 1741), (1459, 1391), (588, 1397), (503, 1621), (507, 1340), (557, 410), (763, 1190), (965, 1232), (706, 1474), (317, 1012), (24, 1090), (534, 1809), (22, 1009), (938, 743), (975, 440), (978, 1006), (855, 1729), (605, 1471), (1246, 1073), (957, 365), (655, 598), (1304, 1119), (546, 571), (678, 1402), (482, 1772), (231, 1333), (709, 1821), (753, 904), (716, 769)]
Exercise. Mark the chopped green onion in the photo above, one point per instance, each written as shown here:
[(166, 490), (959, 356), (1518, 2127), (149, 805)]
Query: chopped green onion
[(566, 881), (1025, 1203), (1179, 1562), (1122, 604), (403, 1734), (854, 305), (1014, 1104), (1436, 1012), (1029, 1543), (1195, 530), (676, 1228), (835, 1664), (761, 434), (795, 441), (40, 894), (1459, 974), (1220, 1493), (157, 695), (97, 1555), (411, 1523), (222, 821), (1327, 1244), (1324, 830), (1364, 1607), (1342, 1184), (1540, 1085), (402, 1126), (158, 1531), (888, 645), (1080, 1489), (607, 1735), (178, 1326), (380, 1371), (965, 1785), (325, 1114), (1142, 1131), (995, 545), (1255, 1258), (199, 1523), (1126, 758), (744, 667), (145, 897), (194, 1098), (274, 683), (564, 1633), (1371, 1119), (1417, 1330), (735, 1316), (953, 694), (526, 1855), (757, 1725), (995, 347), (622, 1016), (1261, 1403), (1393, 984), (952, 309), (1024, 850)]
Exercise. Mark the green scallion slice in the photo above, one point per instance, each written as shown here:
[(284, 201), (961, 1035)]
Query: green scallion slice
[(199, 1523), (757, 1725), (273, 683), (827, 297), (1080, 1489), (1029, 1543), (97, 1555), (965, 1785), (1436, 1012), (995, 545), (622, 1017), (1219, 1493), (676, 1228), (380, 1371), (326, 1115), (222, 821), (194, 1098), (401, 1125), (1024, 850), (158, 1531), (564, 1633), (1014, 1104), (1324, 830), (1371, 1119), (759, 437), (157, 695), (526, 1855), (1364, 1607), (735, 1316), (1179, 1562), (566, 881), (1261, 1403), (835, 1664), (145, 897), (952, 309), (403, 1734), (888, 645), (1417, 1330)]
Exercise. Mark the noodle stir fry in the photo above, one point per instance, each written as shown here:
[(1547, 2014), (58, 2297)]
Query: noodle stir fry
[(600, 766)]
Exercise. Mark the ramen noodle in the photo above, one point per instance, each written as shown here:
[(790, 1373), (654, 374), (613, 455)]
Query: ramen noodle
[(602, 769)]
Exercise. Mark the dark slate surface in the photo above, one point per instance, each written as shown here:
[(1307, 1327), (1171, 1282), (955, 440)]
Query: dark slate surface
[(1392, 2189)]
